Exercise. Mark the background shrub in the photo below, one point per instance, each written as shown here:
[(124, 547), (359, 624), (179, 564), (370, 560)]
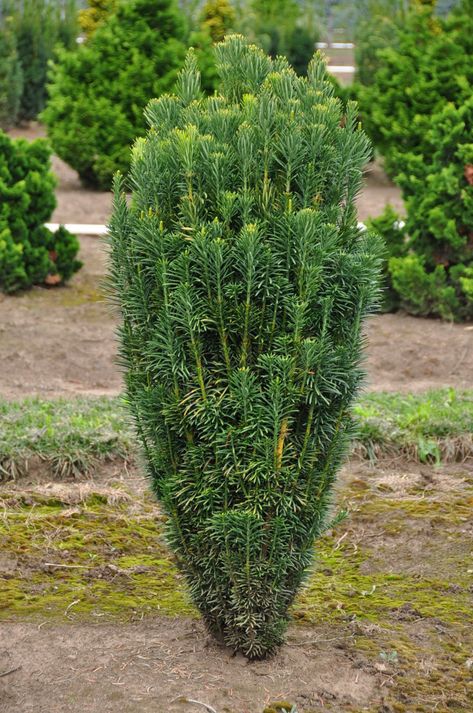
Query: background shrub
[(242, 280), (420, 111), (97, 94), (432, 272), (96, 12), (388, 225), (11, 75), (376, 29), (218, 17), (428, 65), (29, 252), (40, 26), (282, 27)]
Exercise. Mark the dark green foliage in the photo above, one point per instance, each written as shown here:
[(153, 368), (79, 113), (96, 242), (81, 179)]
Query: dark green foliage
[(282, 28), (11, 75), (431, 263), (39, 26), (376, 30), (242, 280), (428, 65), (29, 252), (98, 93), (426, 139)]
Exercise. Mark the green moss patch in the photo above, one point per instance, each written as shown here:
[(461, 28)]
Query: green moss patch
[(402, 612), (91, 560)]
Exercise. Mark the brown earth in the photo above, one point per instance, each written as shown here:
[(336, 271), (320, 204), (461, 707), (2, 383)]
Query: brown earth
[(61, 341), (157, 665)]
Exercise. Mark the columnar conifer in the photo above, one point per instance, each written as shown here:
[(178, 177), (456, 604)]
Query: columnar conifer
[(242, 280)]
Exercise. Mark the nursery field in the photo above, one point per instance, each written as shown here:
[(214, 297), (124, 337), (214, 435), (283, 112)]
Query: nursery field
[(93, 613)]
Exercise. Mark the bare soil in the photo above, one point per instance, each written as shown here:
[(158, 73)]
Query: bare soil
[(61, 341), (161, 664)]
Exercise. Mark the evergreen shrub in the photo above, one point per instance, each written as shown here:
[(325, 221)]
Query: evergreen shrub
[(388, 225), (95, 13), (242, 280), (282, 27), (428, 65), (29, 252), (431, 265), (98, 93), (11, 75), (40, 26), (376, 29)]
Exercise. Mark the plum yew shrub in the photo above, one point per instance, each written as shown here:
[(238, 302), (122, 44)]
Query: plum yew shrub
[(242, 280)]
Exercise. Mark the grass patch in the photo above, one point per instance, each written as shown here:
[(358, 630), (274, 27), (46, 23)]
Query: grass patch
[(435, 426), (67, 437)]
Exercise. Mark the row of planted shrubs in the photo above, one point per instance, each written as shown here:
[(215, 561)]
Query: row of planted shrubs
[(417, 106), (29, 32)]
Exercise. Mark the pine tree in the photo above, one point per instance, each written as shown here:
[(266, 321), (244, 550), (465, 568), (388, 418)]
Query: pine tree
[(11, 75), (242, 281)]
